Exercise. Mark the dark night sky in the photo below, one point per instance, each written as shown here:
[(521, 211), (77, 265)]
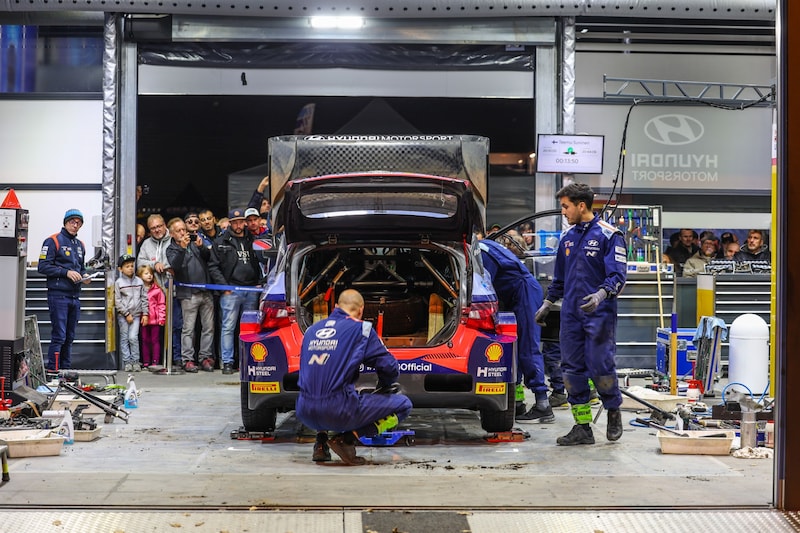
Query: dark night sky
[(196, 141)]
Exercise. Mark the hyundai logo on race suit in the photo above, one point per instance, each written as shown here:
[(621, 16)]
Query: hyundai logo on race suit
[(674, 130), (593, 243), (325, 333)]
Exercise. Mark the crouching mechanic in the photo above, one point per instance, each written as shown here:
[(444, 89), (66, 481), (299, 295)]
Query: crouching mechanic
[(589, 272), (333, 351)]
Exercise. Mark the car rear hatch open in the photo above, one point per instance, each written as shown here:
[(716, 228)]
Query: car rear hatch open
[(399, 184), (355, 207)]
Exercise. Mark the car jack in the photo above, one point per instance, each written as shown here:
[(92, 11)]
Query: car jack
[(243, 434), (390, 438)]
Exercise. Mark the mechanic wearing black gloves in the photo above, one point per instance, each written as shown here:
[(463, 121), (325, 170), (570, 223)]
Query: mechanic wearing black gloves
[(589, 272), (333, 350)]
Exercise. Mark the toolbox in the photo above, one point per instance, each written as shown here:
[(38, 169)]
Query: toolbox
[(687, 353)]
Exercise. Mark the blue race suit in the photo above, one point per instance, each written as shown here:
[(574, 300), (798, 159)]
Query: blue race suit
[(333, 351), (519, 292), (591, 256), (61, 253)]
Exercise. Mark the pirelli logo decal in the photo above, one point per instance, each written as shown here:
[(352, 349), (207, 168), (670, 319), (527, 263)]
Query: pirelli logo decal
[(489, 388), (265, 387)]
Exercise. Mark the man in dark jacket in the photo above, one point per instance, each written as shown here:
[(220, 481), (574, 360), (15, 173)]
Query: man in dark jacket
[(755, 249), (234, 264), (189, 261), (61, 260)]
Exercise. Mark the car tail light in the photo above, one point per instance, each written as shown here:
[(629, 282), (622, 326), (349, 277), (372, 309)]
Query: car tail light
[(481, 315), (250, 322), (276, 315)]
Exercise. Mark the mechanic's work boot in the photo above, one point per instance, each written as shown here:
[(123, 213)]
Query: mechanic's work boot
[(345, 447), (558, 399), (543, 415), (322, 451), (519, 409), (579, 434), (614, 424)]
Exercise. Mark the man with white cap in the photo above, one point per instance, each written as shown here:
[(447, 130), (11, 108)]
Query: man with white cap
[(253, 219), (61, 260)]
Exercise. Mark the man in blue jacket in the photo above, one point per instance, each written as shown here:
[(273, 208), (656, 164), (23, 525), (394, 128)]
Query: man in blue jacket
[(334, 349), (61, 260), (590, 271)]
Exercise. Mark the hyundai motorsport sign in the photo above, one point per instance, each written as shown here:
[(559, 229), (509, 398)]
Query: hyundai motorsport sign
[(684, 147)]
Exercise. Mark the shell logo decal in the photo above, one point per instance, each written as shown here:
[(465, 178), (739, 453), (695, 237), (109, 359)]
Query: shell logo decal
[(494, 352), (258, 352)]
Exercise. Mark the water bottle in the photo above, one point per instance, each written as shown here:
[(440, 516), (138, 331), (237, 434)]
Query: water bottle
[(131, 395)]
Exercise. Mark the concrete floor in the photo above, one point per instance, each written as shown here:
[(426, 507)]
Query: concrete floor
[(176, 455)]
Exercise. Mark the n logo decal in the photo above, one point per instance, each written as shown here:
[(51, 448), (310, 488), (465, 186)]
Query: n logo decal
[(320, 359)]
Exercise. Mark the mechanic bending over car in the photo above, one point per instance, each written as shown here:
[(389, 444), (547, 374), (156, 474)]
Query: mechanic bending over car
[(519, 292), (333, 349), (590, 270)]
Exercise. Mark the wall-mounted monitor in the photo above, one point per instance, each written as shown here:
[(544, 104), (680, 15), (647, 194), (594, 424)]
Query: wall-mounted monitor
[(569, 154)]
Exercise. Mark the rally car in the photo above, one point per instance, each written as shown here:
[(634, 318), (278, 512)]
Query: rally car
[(395, 218)]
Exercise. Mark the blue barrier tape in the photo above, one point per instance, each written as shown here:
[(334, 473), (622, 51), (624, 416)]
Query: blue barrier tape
[(214, 287)]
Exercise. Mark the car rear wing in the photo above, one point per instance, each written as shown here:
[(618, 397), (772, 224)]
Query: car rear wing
[(463, 157)]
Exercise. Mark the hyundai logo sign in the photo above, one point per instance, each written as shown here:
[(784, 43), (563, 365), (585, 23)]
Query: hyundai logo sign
[(674, 130)]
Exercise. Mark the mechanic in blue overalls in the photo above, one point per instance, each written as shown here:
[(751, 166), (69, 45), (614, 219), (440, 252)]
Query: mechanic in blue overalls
[(519, 292), (333, 350), (590, 272)]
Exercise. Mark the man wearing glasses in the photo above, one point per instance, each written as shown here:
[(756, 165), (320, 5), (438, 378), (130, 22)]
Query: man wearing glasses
[(153, 253), (61, 260)]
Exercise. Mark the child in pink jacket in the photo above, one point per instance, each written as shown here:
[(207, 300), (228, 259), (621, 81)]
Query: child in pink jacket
[(152, 332)]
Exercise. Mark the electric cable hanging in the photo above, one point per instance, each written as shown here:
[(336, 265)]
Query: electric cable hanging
[(619, 177)]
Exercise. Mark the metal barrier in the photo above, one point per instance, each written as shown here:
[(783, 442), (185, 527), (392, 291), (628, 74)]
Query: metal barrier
[(168, 365)]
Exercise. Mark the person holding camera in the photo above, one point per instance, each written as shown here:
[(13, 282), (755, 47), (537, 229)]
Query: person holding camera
[(234, 263), (189, 260)]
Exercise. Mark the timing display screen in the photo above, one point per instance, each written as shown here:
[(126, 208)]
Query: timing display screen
[(569, 154)]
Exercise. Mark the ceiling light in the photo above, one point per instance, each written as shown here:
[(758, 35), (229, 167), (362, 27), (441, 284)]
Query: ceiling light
[(344, 23)]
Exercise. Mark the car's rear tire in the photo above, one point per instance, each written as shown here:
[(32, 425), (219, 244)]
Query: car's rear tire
[(499, 421), (256, 419)]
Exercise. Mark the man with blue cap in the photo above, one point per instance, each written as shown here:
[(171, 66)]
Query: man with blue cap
[(61, 260)]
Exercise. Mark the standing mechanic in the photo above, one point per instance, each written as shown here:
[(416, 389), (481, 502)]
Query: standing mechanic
[(589, 273), (61, 260), (521, 293), (333, 350)]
